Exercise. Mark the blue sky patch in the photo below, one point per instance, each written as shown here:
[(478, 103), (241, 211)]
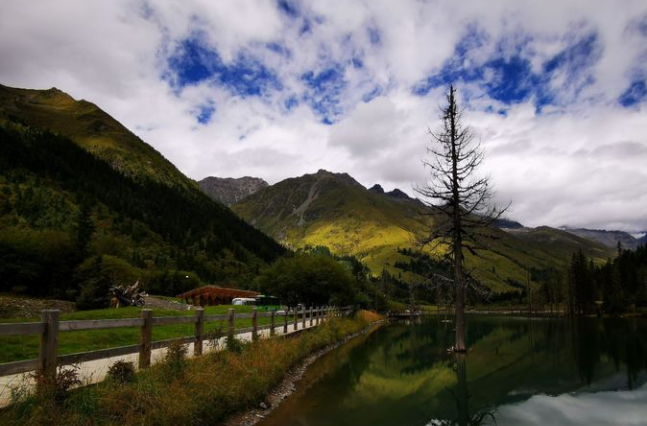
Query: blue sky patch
[(280, 49), (325, 91), (193, 63), (509, 77), (291, 102), (205, 113), (374, 36), (289, 8), (369, 96), (635, 94)]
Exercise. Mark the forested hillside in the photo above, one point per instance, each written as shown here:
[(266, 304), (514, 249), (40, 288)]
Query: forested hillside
[(71, 224)]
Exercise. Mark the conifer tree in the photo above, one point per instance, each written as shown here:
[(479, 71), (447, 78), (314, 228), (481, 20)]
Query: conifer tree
[(459, 198)]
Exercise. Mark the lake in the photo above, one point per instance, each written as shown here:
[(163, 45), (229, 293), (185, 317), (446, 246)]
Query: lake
[(586, 371)]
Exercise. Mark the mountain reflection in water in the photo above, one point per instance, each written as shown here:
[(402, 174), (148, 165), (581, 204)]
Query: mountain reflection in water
[(519, 372)]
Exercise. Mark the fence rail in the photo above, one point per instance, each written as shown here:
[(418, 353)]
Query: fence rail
[(50, 326)]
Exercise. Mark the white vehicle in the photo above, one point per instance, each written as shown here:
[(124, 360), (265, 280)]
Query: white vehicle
[(238, 301)]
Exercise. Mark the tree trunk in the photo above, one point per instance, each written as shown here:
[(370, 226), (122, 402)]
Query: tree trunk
[(458, 243)]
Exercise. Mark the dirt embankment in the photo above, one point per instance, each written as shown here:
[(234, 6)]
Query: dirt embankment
[(25, 307), (288, 386)]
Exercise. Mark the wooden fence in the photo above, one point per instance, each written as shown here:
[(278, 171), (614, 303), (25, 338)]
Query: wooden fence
[(50, 326)]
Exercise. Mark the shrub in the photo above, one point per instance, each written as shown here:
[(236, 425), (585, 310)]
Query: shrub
[(175, 357), (56, 387), (122, 372), (236, 345)]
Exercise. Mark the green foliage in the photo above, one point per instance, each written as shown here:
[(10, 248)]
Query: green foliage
[(55, 388), (97, 274), (310, 280), (618, 284), (175, 357), (121, 372), (62, 207)]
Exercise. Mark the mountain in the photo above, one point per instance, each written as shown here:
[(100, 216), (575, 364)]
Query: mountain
[(607, 238), (91, 128), (643, 240), (504, 223), (395, 194), (230, 190), (334, 210), (84, 203)]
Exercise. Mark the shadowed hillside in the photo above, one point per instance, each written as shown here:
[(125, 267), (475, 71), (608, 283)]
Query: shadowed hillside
[(77, 216)]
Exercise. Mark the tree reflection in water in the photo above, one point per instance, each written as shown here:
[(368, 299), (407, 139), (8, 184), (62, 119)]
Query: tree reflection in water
[(461, 397)]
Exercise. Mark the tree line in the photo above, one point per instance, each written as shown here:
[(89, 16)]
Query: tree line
[(614, 287), (69, 222)]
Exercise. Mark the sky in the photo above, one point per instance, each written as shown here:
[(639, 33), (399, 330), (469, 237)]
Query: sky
[(556, 91)]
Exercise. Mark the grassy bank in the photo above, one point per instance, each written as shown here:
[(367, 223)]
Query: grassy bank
[(15, 348), (200, 391)]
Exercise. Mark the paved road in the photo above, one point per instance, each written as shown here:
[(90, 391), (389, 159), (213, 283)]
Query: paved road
[(95, 371)]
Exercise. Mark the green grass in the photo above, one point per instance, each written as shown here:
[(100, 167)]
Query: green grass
[(15, 348), (204, 390)]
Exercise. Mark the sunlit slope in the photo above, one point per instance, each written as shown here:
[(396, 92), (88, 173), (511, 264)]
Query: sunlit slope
[(93, 129), (334, 210)]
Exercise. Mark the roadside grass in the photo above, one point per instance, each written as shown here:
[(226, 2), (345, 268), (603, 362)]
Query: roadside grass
[(15, 348), (204, 390)]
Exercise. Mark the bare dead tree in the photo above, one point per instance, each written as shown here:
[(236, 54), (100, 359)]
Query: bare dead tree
[(460, 201)]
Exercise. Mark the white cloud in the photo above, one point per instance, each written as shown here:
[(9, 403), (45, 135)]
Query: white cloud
[(601, 408), (579, 162)]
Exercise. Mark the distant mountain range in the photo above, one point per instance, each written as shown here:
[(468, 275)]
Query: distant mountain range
[(230, 190), (608, 238), (334, 210)]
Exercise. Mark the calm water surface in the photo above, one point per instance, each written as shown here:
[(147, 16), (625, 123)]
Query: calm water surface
[(517, 372)]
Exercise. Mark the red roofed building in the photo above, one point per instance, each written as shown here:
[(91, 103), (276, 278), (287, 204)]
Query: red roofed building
[(212, 295)]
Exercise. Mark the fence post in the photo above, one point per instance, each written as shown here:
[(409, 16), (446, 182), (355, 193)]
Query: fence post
[(49, 342), (317, 314), (296, 317), (230, 332), (199, 330), (311, 309), (254, 324), (285, 321), (303, 317), (273, 323), (145, 339)]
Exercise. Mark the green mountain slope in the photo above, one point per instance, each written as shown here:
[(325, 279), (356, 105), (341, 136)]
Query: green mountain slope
[(71, 220), (334, 210), (93, 129)]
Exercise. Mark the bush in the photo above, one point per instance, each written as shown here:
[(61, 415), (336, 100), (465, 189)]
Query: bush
[(55, 388), (236, 345), (122, 372), (175, 357)]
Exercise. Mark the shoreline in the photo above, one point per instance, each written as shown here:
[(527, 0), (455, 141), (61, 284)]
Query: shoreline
[(287, 386)]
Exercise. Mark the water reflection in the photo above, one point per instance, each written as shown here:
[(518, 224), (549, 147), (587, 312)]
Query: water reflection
[(402, 374)]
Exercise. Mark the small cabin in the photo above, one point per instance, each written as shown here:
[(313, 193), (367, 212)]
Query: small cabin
[(212, 295)]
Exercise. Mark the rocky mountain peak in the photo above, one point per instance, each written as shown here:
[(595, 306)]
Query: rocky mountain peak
[(377, 188), (231, 190)]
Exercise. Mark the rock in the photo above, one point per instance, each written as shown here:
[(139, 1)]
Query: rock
[(229, 191), (264, 406)]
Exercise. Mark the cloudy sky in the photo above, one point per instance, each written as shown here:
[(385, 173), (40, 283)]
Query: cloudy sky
[(556, 90)]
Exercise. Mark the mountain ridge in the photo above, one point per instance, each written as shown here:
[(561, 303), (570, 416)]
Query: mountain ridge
[(329, 209)]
